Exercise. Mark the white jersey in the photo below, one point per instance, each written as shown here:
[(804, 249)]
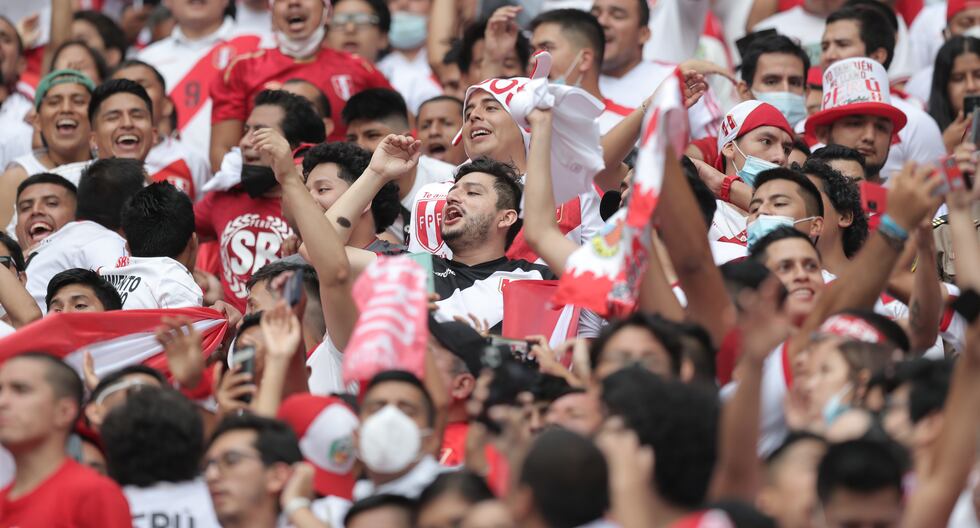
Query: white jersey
[(611, 115), (798, 24), (920, 141), (430, 171), (80, 244), (175, 57), (172, 160), (171, 504), (15, 134), (727, 225), (630, 90), (777, 377), (146, 283), (675, 26), (326, 369), (926, 34), (251, 22), (411, 78)]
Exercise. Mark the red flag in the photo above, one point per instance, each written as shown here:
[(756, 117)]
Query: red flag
[(604, 275), (116, 339), (392, 329), (528, 310)]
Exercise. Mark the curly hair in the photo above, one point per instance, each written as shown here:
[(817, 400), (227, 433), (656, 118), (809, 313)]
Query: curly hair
[(156, 436), (845, 197)]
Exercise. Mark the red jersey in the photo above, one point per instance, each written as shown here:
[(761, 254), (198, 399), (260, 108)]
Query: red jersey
[(73, 496), (249, 232), (338, 74), (453, 450)]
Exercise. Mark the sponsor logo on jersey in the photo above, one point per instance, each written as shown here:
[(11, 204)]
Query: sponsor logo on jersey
[(248, 243)]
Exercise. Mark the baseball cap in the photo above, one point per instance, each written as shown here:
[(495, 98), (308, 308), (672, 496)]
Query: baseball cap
[(955, 6), (503, 90), (748, 116), (63, 76), (460, 339), (856, 86), (325, 427)]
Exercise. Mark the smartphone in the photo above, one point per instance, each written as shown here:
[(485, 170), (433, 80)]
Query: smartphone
[(243, 357), (519, 349), (874, 198), (952, 176), (511, 377), (425, 260), (967, 305), (292, 291), (970, 103)]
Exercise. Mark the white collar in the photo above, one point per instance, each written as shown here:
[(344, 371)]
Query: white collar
[(408, 485)]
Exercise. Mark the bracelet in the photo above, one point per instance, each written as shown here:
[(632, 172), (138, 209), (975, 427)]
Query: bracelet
[(894, 234), (295, 504), (725, 193)]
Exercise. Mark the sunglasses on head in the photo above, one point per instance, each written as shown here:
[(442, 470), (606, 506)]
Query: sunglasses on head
[(8, 262)]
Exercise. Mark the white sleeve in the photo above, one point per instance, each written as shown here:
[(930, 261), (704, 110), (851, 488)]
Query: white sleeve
[(102, 252), (184, 293)]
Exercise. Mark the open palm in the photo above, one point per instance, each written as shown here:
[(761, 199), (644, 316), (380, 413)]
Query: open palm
[(396, 156)]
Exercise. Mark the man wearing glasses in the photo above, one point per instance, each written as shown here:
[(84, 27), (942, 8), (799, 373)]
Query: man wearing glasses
[(299, 53), (247, 465)]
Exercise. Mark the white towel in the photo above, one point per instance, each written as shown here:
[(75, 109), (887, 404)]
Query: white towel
[(230, 173)]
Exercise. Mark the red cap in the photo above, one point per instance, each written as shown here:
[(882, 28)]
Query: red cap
[(325, 426), (955, 6), (814, 76)]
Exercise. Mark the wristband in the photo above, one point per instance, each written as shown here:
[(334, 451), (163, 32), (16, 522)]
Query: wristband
[(894, 234), (295, 504), (725, 193)]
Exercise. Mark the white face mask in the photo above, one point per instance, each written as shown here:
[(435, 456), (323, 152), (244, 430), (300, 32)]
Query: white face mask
[(300, 49), (389, 441)]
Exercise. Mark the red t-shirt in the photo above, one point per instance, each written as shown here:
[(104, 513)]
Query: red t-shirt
[(249, 232), (454, 444), (74, 496), (338, 74)]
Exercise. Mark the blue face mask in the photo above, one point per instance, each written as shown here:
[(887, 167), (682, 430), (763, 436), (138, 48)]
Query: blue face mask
[(408, 30), (564, 77), (765, 224), (791, 105), (834, 407), (752, 167)]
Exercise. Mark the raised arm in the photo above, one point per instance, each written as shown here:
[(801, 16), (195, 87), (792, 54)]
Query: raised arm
[(926, 303), (938, 489), (962, 229), (61, 18), (395, 157), (326, 252), (540, 226), (499, 38), (685, 236), (656, 295), (910, 199), (443, 18), (16, 300)]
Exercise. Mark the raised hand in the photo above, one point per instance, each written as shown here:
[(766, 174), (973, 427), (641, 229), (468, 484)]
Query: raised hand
[(182, 344), (954, 133), (231, 387), (275, 151), (763, 322), (912, 194), (395, 156), (694, 87), (501, 34), (281, 332), (88, 371), (966, 159), (299, 485)]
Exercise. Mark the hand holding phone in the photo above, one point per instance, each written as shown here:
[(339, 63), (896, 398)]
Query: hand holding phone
[(243, 357)]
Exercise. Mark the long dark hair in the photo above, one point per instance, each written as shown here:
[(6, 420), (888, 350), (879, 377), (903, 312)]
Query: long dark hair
[(940, 107)]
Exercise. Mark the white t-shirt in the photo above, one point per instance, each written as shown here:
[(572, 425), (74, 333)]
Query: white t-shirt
[(15, 134), (80, 244), (926, 34), (251, 22), (326, 369), (920, 140), (147, 283), (920, 84), (632, 89), (430, 170), (675, 27), (799, 24), (411, 78), (774, 388), (173, 160), (171, 504), (174, 57)]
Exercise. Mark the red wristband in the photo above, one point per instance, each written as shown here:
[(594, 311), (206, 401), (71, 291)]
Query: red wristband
[(725, 194)]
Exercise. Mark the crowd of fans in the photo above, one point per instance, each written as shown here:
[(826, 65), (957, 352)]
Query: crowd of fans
[(345, 264)]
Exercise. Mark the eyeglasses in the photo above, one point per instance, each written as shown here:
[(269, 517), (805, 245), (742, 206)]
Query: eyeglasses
[(228, 460), (9, 263), (358, 19)]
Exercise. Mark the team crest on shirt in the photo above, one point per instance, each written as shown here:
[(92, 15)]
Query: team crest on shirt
[(343, 86), (248, 243), (428, 223), (222, 56)]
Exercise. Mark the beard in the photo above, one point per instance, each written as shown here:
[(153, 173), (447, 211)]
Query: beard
[(473, 232)]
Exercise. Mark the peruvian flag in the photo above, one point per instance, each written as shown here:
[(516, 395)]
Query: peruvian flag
[(528, 311), (604, 275), (115, 339)]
